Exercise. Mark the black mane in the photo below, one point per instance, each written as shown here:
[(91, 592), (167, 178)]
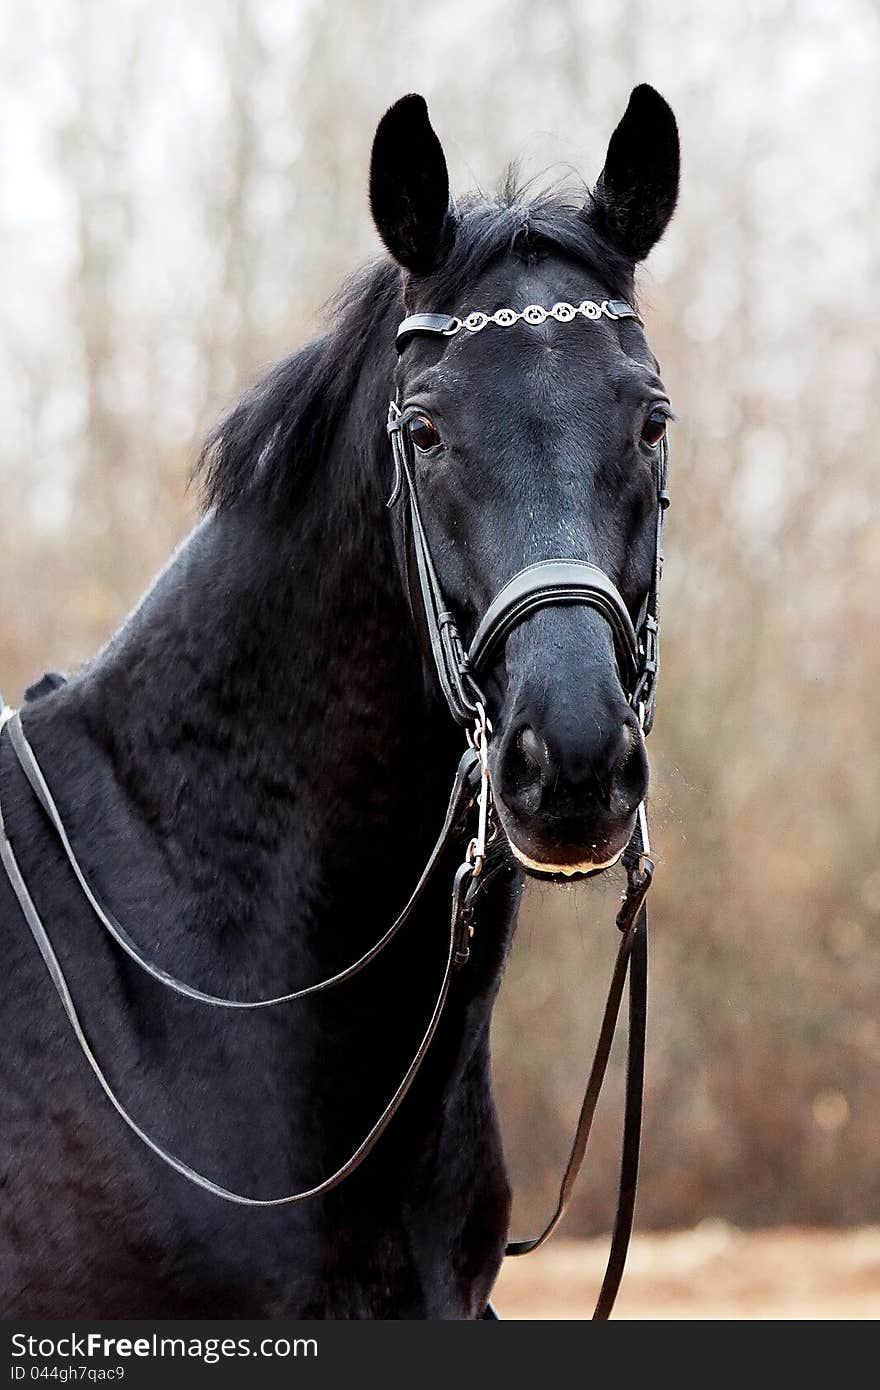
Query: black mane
[(288, 418)]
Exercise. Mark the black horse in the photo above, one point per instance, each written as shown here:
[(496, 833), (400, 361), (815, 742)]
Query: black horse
[(253, 770)]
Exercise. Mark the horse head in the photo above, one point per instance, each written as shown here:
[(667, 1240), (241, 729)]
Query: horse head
[(532, 420)]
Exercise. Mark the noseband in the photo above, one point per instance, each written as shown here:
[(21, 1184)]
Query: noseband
[(459, 671)]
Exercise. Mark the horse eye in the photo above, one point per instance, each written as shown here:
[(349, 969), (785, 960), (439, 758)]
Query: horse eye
[(423, 432), (654, 429)]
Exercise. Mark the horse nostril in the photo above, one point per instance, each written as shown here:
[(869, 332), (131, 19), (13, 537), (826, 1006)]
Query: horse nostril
[(629, 780), (530, 750), (578, 776), (524, 771)]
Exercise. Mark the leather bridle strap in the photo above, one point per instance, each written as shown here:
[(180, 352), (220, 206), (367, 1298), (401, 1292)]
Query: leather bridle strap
[(453, 673), (463, 790), (460, 917), (550, 582), (442, 324), (645, 695), (632, 1119), (632, 959)]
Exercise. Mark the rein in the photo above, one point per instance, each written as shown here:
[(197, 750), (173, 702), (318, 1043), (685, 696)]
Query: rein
[(548, 582)]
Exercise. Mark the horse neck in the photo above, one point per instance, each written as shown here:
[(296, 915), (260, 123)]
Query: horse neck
[(264, 708), (254, 772)]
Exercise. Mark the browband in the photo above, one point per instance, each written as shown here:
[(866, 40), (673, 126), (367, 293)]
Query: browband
[(448, 325)]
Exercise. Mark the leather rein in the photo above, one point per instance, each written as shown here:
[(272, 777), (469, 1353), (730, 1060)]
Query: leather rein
[(554, 581)]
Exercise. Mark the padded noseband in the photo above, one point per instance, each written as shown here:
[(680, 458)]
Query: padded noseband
[(550, 582)]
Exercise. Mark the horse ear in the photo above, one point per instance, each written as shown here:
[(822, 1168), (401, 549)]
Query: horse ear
[(636, 193), (409, 186)]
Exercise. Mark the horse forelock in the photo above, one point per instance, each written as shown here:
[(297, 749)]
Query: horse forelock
[(265, 446)]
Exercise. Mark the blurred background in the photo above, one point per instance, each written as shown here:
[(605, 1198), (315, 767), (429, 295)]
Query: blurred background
[(181, 189)]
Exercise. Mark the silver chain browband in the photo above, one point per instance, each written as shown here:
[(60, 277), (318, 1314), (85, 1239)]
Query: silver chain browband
[(448, 325), (536, 313)]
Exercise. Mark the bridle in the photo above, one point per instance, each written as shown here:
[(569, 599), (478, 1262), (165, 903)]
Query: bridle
[(549, 582), (459, 669)]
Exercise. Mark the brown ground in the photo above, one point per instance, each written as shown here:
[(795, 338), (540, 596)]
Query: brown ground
[(712, 1272)]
